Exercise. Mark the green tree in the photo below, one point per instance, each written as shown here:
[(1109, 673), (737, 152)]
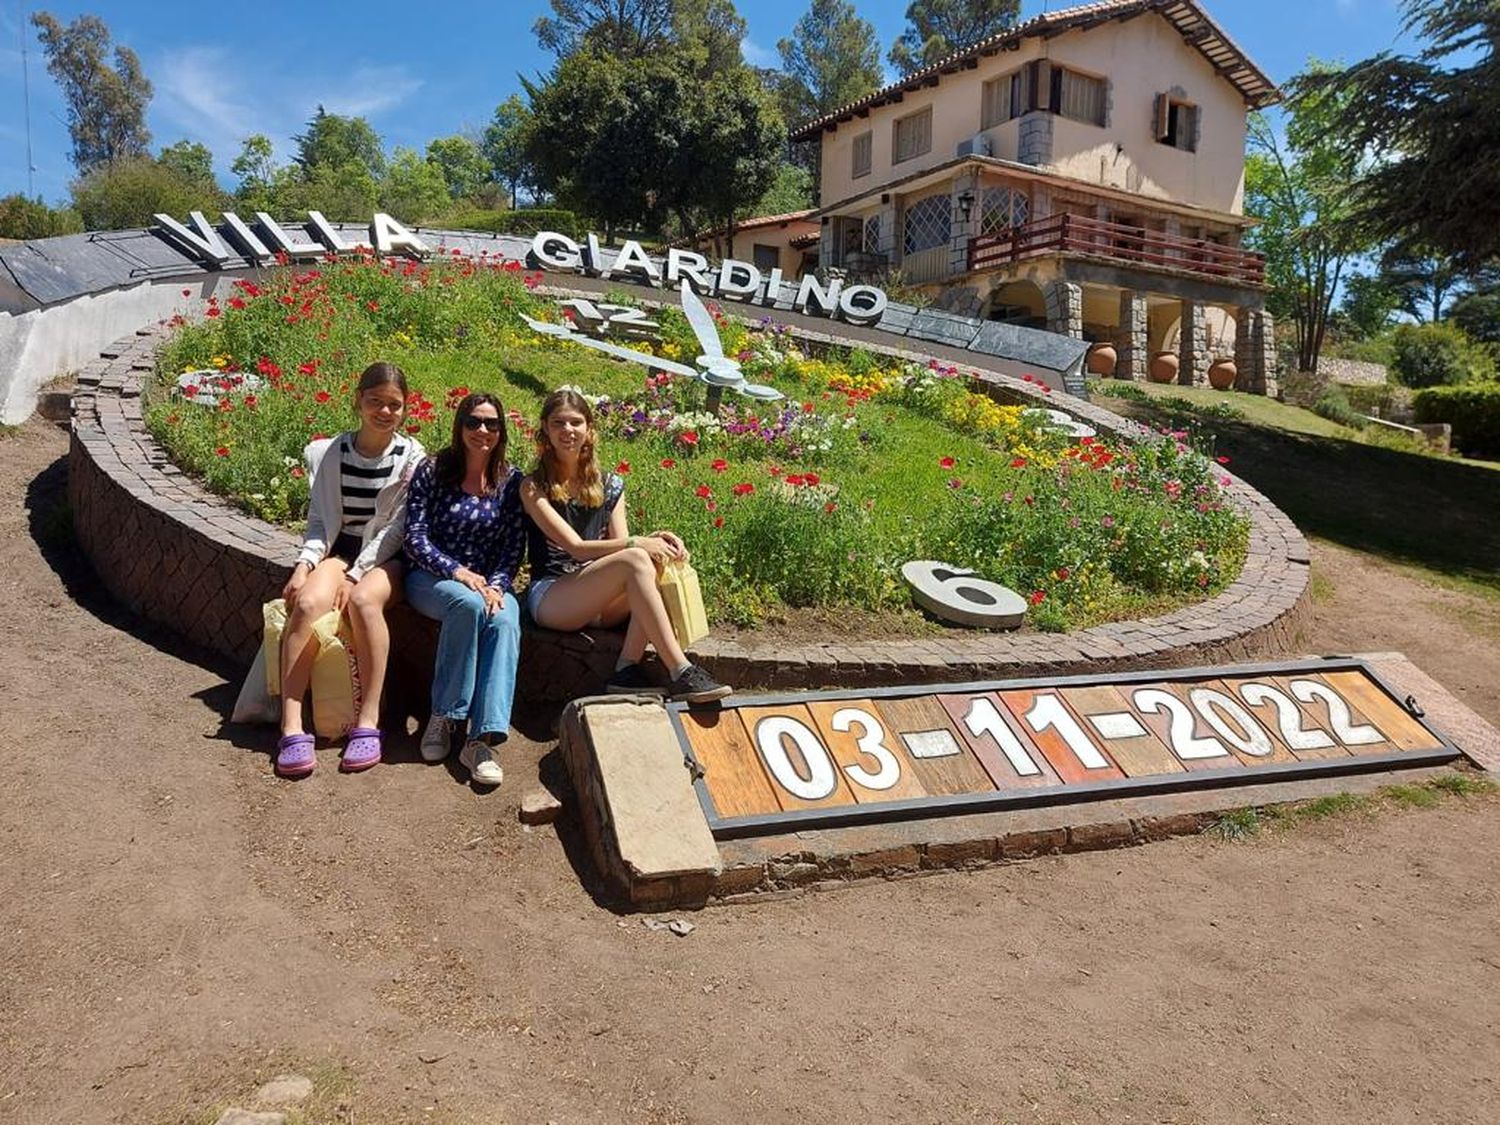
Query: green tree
[(504, 145), (190, 160), (1297, 186), (1478, 314), (937, 28), (337, 141), (1433, 121), (731, 155), (707, 35), (627, 29), (831, 59), (1422, 280), (128, 191), (1367, 308), (413, 188), (106, 104), (256, 168), (463, 166), (790, 190), (1431, 355), (26, 219)]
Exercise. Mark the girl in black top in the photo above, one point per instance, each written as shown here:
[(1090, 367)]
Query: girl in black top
[(587, 569)]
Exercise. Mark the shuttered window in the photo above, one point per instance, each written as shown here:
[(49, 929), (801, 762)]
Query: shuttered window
[(913, 136), (1177, 123), (862, 149)]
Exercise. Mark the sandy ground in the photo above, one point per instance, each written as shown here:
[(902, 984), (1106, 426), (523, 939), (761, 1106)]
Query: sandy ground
[(179, 925)]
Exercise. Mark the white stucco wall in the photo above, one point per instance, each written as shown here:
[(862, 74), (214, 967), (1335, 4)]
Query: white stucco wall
[(38, 346)]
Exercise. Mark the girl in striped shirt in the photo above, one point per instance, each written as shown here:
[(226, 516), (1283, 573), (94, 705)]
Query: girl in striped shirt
[(350, 560)]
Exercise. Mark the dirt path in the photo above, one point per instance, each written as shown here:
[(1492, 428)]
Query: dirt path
[(178, 924)]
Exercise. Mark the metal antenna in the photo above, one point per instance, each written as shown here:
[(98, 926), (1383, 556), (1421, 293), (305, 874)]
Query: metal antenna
[(26, 96)]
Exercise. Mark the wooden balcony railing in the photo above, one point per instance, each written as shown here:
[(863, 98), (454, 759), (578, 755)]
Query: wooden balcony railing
[(1116, 242)]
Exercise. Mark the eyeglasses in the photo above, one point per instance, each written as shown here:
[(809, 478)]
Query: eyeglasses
[(490, 424)]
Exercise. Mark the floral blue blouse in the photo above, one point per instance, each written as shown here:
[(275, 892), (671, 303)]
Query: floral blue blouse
[(447, 528)]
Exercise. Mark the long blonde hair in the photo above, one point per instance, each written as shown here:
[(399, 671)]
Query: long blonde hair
[(548, 474)]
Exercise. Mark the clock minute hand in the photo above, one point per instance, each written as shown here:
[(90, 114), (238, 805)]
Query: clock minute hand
[(615, 350), (702, 322)]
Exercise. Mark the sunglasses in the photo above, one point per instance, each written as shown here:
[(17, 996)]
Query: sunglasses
[(490, 424)]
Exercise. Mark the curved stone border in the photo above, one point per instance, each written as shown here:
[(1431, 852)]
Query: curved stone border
[(190, 561)]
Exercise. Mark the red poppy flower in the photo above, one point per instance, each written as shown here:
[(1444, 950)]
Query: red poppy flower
[(222, 451), (718, 521), (807, 408), (668, 463), (719, 465), (774, 470), (744, 488), (688, 437), (211, 311), (622, 468), (251, 401), (796, 480), (1037, 597), (830, 507), (812, 479), (1063, 573), (413, 427), (236, 303), (1222, 460), (946, 463), (298, 471), (954, 482), (703, 492), (373, 305), (322, 396), (1018, 462)]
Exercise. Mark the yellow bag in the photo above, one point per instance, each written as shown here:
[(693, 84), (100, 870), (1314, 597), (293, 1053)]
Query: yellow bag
[(335, 677), (683, 599), (274, 614)]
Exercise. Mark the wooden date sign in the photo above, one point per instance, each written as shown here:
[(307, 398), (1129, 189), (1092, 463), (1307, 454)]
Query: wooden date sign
[(818, 759)]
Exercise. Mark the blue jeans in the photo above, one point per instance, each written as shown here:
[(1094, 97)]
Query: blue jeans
[(475, 678)]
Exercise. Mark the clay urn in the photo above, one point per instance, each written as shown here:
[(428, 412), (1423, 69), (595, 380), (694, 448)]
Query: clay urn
[(1102, 358), (1164, 367), (1221, 374)]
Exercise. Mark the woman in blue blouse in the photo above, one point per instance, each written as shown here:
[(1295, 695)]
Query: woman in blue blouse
[(464, 541)]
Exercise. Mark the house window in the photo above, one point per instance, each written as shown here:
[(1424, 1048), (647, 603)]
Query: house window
[(1007, 97), (872, 234), (928, 224), (1176, 123), (766, 258), (913, 136), (1002, 209), (862, 149), (1079, 96)]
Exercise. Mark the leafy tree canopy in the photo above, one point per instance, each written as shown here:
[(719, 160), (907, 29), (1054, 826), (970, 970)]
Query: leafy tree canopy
[(24, 218), (627, 29), (831, 59), (463, 166), (128, 191), (336, 141), (1433, 121), (504, 145), (106, 103), (190, 160), (937, 28), (413, 188)]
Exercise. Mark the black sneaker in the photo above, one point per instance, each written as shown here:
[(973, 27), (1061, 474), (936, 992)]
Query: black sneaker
[(633, 679), (697, 686)]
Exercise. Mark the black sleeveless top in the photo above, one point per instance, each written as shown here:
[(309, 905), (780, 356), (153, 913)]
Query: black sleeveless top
[(548, 560)]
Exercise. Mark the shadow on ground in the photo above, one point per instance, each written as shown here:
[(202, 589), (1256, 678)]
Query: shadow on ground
[(1405, 507)]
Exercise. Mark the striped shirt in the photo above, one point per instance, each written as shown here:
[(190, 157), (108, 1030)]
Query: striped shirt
[(361, 478)]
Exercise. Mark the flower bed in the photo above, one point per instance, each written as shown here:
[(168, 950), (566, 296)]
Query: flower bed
[(810, 502)]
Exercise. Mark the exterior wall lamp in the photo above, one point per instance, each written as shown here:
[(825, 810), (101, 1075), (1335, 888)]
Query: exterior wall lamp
[(965, 206)]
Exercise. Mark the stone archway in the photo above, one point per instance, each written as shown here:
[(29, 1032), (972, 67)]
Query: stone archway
[(1020, 301)]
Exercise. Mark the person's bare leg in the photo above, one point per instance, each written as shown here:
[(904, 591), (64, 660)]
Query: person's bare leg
[(375, 590), (577, 599), (297, 647)]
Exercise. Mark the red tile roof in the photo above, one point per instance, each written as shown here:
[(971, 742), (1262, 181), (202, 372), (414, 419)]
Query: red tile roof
[(1198, 29)]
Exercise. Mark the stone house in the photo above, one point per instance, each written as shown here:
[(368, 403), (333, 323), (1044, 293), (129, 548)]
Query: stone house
[(1083, 171), (786, 242)]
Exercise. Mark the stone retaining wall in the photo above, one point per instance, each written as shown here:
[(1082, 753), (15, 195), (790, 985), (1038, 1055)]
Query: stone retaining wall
[(190, 561)]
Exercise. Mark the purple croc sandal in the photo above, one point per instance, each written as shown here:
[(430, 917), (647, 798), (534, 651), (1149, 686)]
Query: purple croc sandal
[(362, 750), (294, 755)]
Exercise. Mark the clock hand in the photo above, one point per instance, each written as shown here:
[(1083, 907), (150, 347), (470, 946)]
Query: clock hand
[(703, 323), (615, 350)]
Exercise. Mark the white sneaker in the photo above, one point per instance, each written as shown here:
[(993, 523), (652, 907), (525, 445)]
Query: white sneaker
[(437, 739), (479, 760)]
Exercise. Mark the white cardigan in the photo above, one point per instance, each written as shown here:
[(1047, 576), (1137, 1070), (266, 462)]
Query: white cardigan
[(382, 535)]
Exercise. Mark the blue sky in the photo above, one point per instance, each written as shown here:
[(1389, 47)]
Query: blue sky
[(421, 71)]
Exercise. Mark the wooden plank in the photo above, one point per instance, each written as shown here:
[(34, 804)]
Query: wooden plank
[(986, 747), (812, 766), (844, 744), (1269, 732), (1321, 715), (1108, 719), (731, 768), (1399, 728), (1186, 742), (1297, 728), (907, 720), (1088, 763)]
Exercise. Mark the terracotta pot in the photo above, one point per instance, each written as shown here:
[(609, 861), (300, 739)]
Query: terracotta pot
[(1102, 359), (1221, 374), (1164, 367)]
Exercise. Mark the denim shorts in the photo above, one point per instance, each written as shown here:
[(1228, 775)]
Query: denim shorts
[(535, 593)]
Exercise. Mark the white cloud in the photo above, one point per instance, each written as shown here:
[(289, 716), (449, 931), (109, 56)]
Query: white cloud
[(756, 55), (208, 94)]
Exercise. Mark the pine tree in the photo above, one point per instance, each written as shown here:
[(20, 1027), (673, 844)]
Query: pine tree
[(937, 28)]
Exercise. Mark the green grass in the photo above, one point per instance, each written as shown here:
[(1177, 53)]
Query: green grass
[(1241, 824), (1237, 824)]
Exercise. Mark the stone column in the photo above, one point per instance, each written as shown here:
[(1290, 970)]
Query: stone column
[(963, 230), (1254, 351), (1065, 308), (1192, 347), (1131, 342)]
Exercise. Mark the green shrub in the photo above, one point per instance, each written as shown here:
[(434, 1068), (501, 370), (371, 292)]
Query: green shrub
[(1473, 410), (526, 221), (1380, 399), (1113, 389), (26, 219), (1333, 404), (1435, 355), (128, 192)]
